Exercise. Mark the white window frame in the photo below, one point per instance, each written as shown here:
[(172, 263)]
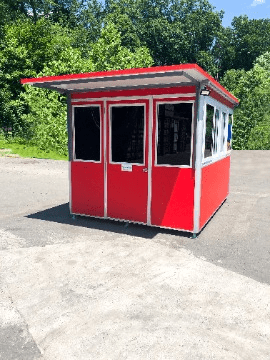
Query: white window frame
[(176, 101), (74, 129), (110, 131), (220, 153), (224, 129)]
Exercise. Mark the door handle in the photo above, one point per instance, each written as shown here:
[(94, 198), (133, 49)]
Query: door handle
[(145, 170)]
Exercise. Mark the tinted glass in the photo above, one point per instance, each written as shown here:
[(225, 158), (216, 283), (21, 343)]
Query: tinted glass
[(127, 134), (87, 133), (216, 139), (174, 134), (223, 127), (209, 131)]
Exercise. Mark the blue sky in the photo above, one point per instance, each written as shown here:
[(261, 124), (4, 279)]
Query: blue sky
[(254, 9)]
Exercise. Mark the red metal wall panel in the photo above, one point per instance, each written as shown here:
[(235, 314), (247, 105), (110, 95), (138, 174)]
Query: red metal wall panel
[(137, 92), (87, 188), (214, 188), (172, 197)]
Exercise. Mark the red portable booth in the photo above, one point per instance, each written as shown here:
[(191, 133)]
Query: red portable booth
[(149, 145)]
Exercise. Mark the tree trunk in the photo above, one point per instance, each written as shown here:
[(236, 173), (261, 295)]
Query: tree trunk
[(32, 3)]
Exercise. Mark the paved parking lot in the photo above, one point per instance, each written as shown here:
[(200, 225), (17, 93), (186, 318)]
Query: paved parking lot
[(95, 289)]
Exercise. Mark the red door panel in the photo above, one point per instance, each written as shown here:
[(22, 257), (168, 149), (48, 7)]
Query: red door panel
[(127, 191)]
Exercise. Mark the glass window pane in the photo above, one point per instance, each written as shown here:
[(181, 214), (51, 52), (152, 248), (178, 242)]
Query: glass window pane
[(216, 126), (87, 133), (174, 134), (229, 139), (127, 134), (209, 131), (223, 129)]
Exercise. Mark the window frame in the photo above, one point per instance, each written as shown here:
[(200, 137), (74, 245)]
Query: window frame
[(213, 130), (227, 128), (217, 130), (74, 129), (220, 153), (174, 101), (110, 132), (223, 146)]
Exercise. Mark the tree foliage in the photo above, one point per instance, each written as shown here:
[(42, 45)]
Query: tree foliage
[(251, 118), (174, 31), (24, 52), (238, 46), (61, 11), (45, 118)]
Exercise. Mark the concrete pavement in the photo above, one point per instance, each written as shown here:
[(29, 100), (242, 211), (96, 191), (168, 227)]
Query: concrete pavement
[(95, 289)]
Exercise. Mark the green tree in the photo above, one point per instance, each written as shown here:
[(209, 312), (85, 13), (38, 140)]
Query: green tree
[(259, 138), (177, 31), (64, 11), (251, 118), (91, 16), (109, 53), (238, 46), (24, 52), (45, 119)]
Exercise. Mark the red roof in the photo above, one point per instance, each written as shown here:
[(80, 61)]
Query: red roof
[(159, 75)]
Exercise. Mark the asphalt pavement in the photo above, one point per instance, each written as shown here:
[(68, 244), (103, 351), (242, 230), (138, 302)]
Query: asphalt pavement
[(97, 289)]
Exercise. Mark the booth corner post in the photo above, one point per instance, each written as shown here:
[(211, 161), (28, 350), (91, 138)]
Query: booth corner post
[(200, 104), (146, 145), (70, 148), (69, 127)]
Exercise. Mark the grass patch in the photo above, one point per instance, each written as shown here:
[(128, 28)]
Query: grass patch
[(28, 151)]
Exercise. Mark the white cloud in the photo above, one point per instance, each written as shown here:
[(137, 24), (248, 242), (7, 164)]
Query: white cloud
[(257, 2)]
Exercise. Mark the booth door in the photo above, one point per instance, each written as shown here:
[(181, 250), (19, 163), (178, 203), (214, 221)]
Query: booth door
[(127, 160), (172, 174), (87, 165)]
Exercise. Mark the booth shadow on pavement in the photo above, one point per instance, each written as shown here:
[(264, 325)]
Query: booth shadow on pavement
[(61, 214)]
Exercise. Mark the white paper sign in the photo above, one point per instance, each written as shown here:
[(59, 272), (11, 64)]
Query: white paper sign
[(126, 167)]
